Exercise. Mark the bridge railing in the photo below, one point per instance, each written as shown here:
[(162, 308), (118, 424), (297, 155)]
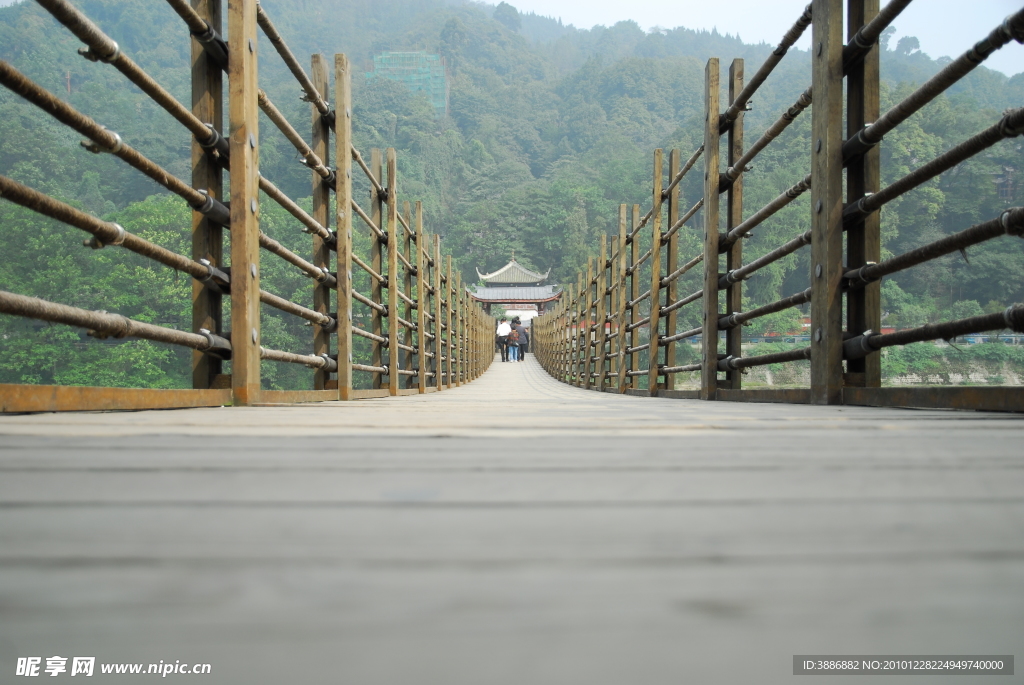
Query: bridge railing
[(594, 337), (423, 327)]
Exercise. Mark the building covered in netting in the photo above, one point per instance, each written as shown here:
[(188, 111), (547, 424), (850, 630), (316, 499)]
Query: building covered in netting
[(421, 72)]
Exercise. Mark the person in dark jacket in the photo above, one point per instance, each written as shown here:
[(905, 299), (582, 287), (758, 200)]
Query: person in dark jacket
[(524, 337)]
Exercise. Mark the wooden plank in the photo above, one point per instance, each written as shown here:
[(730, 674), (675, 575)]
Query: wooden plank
[(734, 216), (827, 202), (963, 397), (269, 397), (377, 264), (653, 355), (394, 238), (671, 263), (343, 212), (19, 398), (460, 330), (680, 394), (589, 338), (634, 293), (863, 239), (321, 139), (709, 338), (207, 237), (243, 115), (370, 393), (785, 395)]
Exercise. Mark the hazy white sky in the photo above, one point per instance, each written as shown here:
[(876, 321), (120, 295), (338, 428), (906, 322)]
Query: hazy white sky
[(944, 27)]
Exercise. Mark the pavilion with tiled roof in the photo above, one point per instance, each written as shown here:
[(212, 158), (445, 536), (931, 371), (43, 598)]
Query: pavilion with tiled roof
[(516, 287)]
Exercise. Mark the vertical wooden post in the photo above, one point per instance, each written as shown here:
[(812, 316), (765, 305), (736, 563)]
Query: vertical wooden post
[(634, 292), (422, 298), (600, 314), (394, 238), (377, 264), (588, 308), (734, 216), (449, 345), (343, 197), (243, 114), (827, 203), (207, 237), (439, 330), (321, 199), (582, 332), (709, 336), (671, 263), (407, 333), (460, 331), (623, 365), (864, 240), (655, 298)]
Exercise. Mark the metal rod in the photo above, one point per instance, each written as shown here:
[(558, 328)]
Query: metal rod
[(1010, 222), (312, 361), (359, 297), (764, 213), (290, 307), (104, 325), (383, 370), (682, 172), (299, 213), (1012, 317), (680, 369), (105, 233), (381, 190), (683, 302), (103, 48), (1010, 126), (737, 275), (869, 33), (871, 135), (683, 219), (298, 72), (780, 125), (370, 336), (735, 363), (366, 267), (737, 318), (682, 270), (312, 160), (310, 269), (740, 103), (202, 32), (665, 340), (381, 235)]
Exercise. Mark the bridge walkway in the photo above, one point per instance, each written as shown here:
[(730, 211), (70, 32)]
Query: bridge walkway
[(513, 530)]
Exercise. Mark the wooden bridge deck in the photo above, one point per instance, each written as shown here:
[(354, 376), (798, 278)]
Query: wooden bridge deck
[(512, 531)]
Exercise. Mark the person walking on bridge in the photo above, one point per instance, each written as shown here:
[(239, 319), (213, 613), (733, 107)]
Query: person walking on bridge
[(513, 343), (501, 338), (523, 336)]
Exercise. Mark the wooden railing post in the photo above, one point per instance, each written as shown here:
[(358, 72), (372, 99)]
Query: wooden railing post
[(449, 345), (422, 299), (588, 339), (394, 235), (245, 227), (207, 236), (734, 216), (407, 333), (581, 333), (827, 202), (634, 293), (377, 248), (600, 313), (655, 298), (864, 241), (709, 336), (321, 139), (623, 321), (343, 197), (671, 262), (439, 331)]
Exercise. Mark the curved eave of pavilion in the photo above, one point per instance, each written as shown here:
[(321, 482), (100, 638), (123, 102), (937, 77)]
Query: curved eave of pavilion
[(512, 301), (515, 273)]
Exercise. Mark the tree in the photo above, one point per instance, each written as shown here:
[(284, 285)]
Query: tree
[(507, 15)]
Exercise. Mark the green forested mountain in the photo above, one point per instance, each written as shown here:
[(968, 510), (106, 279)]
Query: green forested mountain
[(550, 128)]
